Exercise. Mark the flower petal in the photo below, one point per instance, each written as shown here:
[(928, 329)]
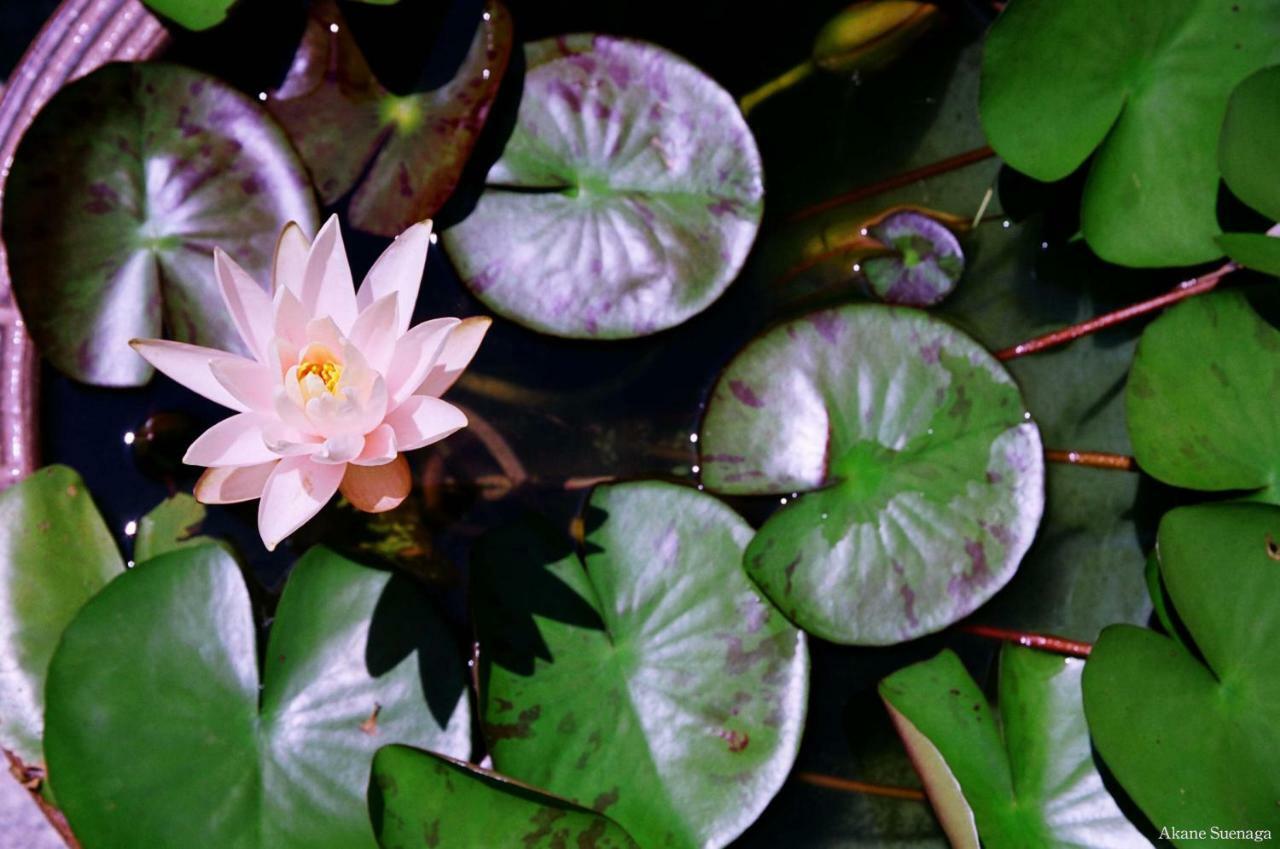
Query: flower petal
[(415, 354), (250, 382), (399, 271), (376, 489), (290, 318), (231, 485), (249, 305), (422, 420), (237, 441), (292, 248), (376, 331), (379, 447), (455, 356), (340, 449), (294, 492), (327, 287), (189, 365)]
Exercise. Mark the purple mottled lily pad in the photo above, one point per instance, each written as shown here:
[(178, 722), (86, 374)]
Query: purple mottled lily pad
[(120, 191), (626, 200), (926, 264), (654, 651), (921, 472), (403, 155)]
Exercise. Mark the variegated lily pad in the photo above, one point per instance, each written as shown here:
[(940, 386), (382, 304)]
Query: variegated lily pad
[(922, 472), (120, 191), (926, 264), (625, 201)]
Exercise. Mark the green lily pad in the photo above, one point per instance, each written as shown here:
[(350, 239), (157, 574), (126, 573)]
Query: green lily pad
[(173, 525), (626, 199), (403, 155), (925, 267), (655, 651), (1200, 398), (1143, 88), (923, 476), (55, 553), (120, 191), (1193, 737), (192, 14), (1247, 146), (1027, 780), (416, 795), (1259, 251), (160, 735)]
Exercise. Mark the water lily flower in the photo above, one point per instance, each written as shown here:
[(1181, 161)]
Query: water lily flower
[(338, 387)]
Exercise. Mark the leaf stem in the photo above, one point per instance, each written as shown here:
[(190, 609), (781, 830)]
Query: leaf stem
[(1044, 642), (850, 786), (1093, 459), (30, 778), (1184, 290), (897, 181), (784, 81)]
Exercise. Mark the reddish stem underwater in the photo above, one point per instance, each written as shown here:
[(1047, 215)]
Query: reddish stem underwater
[(1044, 642), (850, 786), (1093, 459)]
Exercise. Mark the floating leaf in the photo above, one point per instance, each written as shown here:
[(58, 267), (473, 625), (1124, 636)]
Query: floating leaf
[(656, 651), (1247, 146), (120, 191), (1028, 780), (1201, 397), (416, 795), (55, 553), (625, 201), (1193, 737), (924, 477), (174, 524), (405, 153), (926, 264), (1259, 251), (192, 14), (164, 662), (1145, 86)]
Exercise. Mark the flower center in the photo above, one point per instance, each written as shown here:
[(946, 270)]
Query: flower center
[(317, 360)]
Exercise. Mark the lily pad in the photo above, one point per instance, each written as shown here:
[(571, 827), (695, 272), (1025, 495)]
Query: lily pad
[(174, 524), (1027, 780), (654, 651), (626, 200), (55, 553), (1143, 89), (120, 191), (923, 475), (164, 662), (1200, 398), (1193, 737), (926, 264), (192, 14), (416, 795), (403, 155), (1250, 133)]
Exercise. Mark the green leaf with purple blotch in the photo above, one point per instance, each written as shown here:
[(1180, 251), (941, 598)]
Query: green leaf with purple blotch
[(416, 796), (650, 679), (403, 155), (922, 474), (626, 199), (926, 264), (230, 743), (120, 191), (1026, 780)]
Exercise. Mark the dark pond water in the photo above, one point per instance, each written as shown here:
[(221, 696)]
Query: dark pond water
[(549, 414)]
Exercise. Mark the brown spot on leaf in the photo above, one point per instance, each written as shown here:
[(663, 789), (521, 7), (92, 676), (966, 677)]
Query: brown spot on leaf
[(370, 725), (604, 800), (521, 729), (1273, 550), (737, 740)]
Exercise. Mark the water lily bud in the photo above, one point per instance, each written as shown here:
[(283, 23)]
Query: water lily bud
[(872, 33)]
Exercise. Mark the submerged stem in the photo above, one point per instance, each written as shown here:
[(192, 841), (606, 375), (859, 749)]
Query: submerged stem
[(30, 778), (1044, 642), (1184, 290), (897, 181), (784, 81), (849, 785), (1093, 459)]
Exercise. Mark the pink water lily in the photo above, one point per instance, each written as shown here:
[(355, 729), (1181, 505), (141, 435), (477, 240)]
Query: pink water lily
[(339, 386)]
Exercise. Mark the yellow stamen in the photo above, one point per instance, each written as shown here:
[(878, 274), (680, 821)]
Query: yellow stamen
[(329, 372)]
